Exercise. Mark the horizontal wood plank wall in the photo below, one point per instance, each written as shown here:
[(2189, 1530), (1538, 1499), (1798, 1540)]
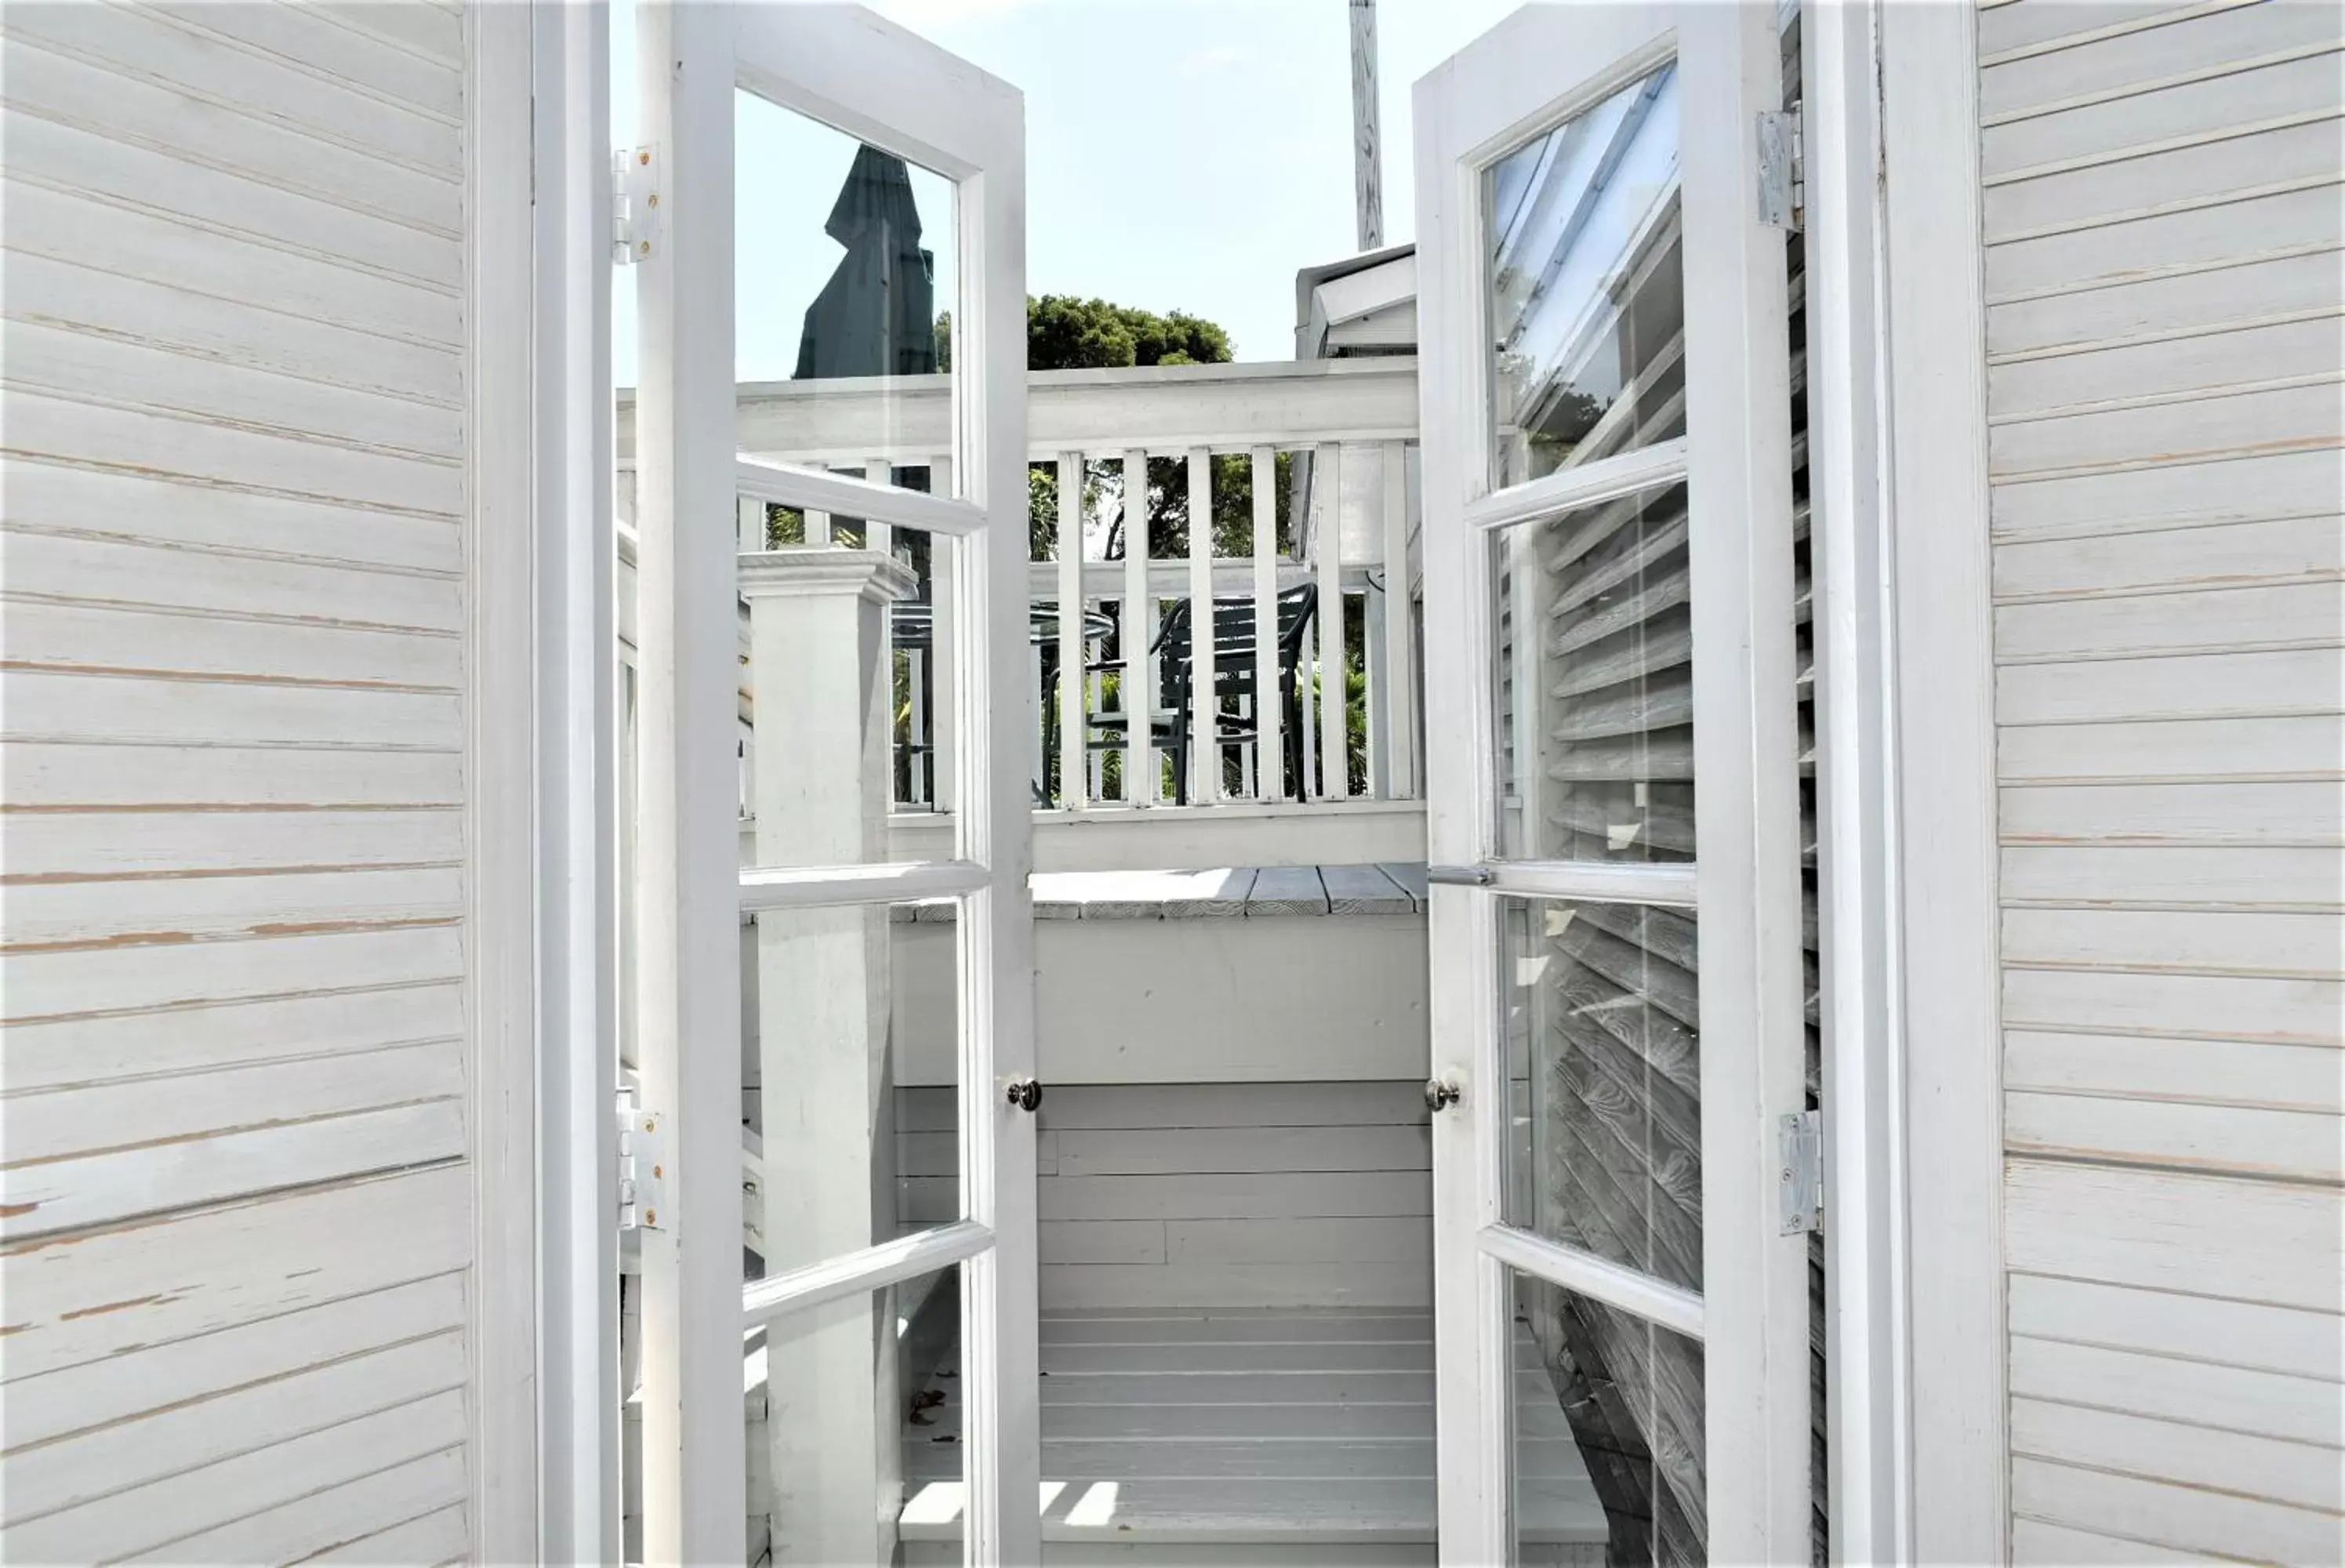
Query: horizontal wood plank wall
[(2163, 227), (1210, 1195), (235, 1215)]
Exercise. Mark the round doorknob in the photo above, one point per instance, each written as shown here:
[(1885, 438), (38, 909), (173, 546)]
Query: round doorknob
[(1440, 1094), (1026, 1094)]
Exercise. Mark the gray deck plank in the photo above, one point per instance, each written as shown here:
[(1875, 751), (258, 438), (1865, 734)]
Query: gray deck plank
[(1363, 890), (1246, 1453), (1287, 890)]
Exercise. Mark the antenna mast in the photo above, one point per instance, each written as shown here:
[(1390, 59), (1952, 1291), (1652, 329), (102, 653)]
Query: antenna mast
[(1367, 153)]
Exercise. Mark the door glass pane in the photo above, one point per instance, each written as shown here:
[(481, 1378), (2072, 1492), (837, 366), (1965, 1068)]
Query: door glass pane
[(1586, 291), (847, 741), (1594, 673), (1608, 1434), (1604, 1145), (850, 1096), (845, 281), (854, 1432)]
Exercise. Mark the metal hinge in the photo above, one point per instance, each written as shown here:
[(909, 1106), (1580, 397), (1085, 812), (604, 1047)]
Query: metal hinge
[(642, 1169), (634, 203), (1782, 170), (1799, 1145)]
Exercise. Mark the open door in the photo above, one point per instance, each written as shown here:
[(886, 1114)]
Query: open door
[(770, 635), (1617, 1004)]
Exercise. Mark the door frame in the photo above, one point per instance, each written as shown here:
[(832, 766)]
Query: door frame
[(970, 126), (1488, 100), (1905, 693)]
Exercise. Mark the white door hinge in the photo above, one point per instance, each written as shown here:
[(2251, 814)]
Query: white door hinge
[(1783, 171), (636, 225), (1800, 1147), (642, 1169)]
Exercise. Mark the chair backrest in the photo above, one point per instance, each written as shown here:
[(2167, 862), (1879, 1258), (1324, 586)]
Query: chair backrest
[(1234, 627), (1233, 649)]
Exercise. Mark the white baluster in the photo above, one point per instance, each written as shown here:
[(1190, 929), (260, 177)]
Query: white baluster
[(1328, 496), (944, 555), (1139, 684), (1205, 698), (878, 536), (1399, 661), (1074, 726), (1269, 713)]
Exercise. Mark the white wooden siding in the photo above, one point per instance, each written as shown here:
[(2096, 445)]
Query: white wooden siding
[(1171, 1196), (236, 1214), (2162, 210)]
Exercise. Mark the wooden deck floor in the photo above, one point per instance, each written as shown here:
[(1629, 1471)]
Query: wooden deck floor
[(1259, 1437)]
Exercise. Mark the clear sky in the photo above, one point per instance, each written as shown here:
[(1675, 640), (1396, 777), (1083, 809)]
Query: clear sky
[(1185, 154)]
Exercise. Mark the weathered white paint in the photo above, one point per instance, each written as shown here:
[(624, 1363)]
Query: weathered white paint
[(2162, 237), (269, 964)]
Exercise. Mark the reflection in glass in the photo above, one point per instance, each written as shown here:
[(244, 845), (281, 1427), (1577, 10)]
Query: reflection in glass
[(845, 283), (1604, 1148), (851, 1119), (1595, 682), (1586, 286), (1608, 1434), (855, 1427)]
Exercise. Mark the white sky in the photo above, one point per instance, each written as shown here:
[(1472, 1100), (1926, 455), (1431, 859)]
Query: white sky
[(1185, 154)]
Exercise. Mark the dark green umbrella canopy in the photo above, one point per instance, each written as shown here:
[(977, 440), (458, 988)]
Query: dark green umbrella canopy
[(877, 316)]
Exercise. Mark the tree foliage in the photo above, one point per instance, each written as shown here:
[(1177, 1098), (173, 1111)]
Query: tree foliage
[(1064, 333)]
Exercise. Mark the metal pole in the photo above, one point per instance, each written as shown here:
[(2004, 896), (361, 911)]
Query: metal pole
[(1368, 154)]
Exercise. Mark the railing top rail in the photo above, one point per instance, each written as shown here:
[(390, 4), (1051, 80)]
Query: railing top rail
[(1163, 409)]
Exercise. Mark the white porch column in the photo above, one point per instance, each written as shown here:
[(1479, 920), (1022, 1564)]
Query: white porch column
[(822, 675)]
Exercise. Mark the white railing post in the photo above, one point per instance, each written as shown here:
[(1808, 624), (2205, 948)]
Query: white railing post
[(749, 516), (1399, 682), (1074, 723), (823, 673), (1204, 701), (1139, 769), (1328, 509), (1269, 712)]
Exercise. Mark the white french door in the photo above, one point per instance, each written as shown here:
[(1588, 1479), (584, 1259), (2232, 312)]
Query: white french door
[(1621, 1282), (777, 1065)]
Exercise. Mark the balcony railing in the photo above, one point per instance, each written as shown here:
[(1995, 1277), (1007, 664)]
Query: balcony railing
[(1301, 706)]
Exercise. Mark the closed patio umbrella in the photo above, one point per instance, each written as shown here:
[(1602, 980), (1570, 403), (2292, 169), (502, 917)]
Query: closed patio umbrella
[(877, 316)]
